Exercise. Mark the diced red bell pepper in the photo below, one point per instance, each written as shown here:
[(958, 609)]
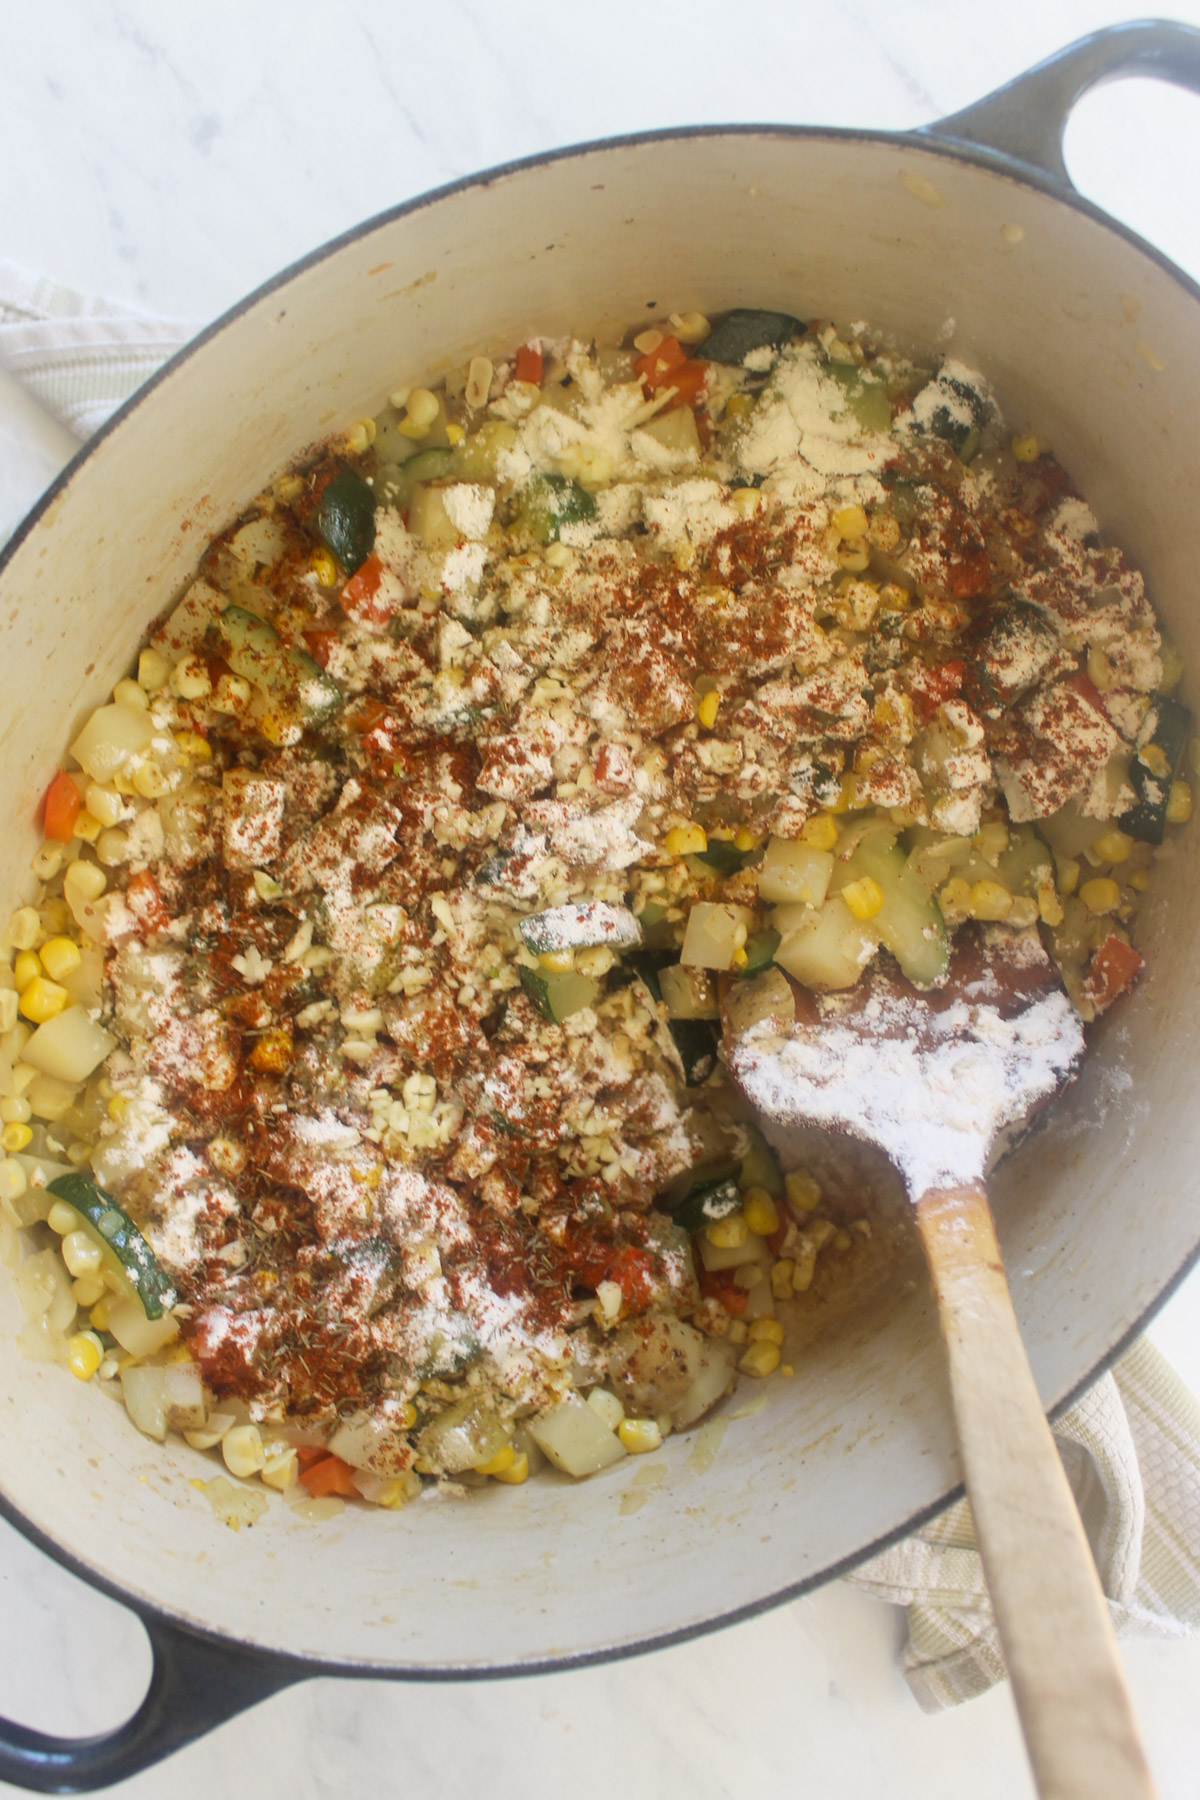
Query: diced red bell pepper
[(718, 1284), (321, 640), (329, 1476), (529, 364), (1113, 966), (633, 1271), (360, 597), (63, 802), (146, 903), (971, 576), (1087, 690), (668, 367)]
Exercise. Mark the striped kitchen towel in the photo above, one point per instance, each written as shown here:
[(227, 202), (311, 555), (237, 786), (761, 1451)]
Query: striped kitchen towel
[(81, 355), (1131, 1448), (1131, 1445)]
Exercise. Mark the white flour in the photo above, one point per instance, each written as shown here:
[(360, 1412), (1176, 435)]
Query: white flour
[(934, 1100)]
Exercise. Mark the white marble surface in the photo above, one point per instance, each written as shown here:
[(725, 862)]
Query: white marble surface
[(177, 156)]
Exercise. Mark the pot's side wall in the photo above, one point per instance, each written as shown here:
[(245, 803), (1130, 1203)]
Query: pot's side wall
[(1096, 1223)]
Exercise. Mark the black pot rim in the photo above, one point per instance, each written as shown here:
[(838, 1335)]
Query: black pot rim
[(300, 1665)]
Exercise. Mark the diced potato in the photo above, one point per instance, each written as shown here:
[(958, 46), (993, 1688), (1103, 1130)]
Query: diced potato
[(764, 997), (574, 1439), (688, 993), (714, 1377), (113, 738), (754, 1250), (675, 431), (69, 1046), (830, 950), (464, 1436), (183, 1393), (794, 871), (145, 1396), (138, 1334), (428, 519), (715, 932), (44, 1289), (653, 1362)]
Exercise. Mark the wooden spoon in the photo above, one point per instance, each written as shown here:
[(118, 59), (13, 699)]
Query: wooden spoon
[(934, 1079)]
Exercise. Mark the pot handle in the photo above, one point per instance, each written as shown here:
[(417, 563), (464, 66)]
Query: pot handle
[(1026, 119), (195, 1685)]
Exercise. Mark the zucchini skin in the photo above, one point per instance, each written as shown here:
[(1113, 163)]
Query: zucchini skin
[(117, 1232), (1147, 817), (744, 330), (346, 519)]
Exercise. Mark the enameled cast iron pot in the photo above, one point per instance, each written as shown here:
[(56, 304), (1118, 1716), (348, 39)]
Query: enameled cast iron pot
[(1085, 332)]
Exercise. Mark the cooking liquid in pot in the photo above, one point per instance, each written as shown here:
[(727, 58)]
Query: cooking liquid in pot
[(363, 1114)]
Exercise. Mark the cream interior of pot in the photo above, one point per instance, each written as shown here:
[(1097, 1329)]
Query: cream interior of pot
[(1087, 339)]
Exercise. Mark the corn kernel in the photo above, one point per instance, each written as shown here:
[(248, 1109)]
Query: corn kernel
[(322, 565), (360, 436), (15, 1110), (1068, 874), (192, 745), (854, 557), (85, 1353), (99, 1316), (639, 1435), (766, 1331), (707, 708), (781, 1278), (242, 1449), (686, 840), (1112, 846), (1155, 758), (739, 406), (760, 1212), (48, 860), (27, 967), (1139, 881), (154, 670), (279, 1471), (42, 1000), (725, 1234), (420, 410), (802, 1191), (516, 1472), (820, 832), (1026, 448), (60, 955), (15, 1137), (690, 327), (8, 1010), (745, 839), (1101, 895), (864, 897), (850, 523), (62, 1218), (607, 1407), (13, 1180), (504, 1458), (478, 384), (408, 1415), (81, 1253), (760, 1359), (1179, 803), (24, 928), (990, 900), (131, 694), (557, 962), (87, 1290)]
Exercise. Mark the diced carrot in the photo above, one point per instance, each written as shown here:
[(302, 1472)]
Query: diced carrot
[(62, 808), (668, 367), (329, 1476), (1087, 690), (360, 597), (1113, 966), (367, 716), (146, 903), (529, 364), (971, 576), (311, 1453)]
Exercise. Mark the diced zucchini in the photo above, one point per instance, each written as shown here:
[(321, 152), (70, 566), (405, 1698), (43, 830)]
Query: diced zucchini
[(794, 871), (287, 676), (1147, 819), (1069, 833), (346, 519), (909, 923), (558, 996), (745, 330), (129, 1262), (688, 993), (548, 502), (952, 410), (696, 1041), (575, 1438), (1018, 646), (830, 949), (703, 1195), (866, 395), (759, 1167), (584, 924), (722, 855), (760, 951), (648, 966), (715, 932), (1027, 864)]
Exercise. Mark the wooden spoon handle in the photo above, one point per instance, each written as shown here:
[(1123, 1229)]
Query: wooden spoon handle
[(1051, 1615)]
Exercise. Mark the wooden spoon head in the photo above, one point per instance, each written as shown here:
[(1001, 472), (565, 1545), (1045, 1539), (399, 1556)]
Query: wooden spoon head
[(931, 1078)]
